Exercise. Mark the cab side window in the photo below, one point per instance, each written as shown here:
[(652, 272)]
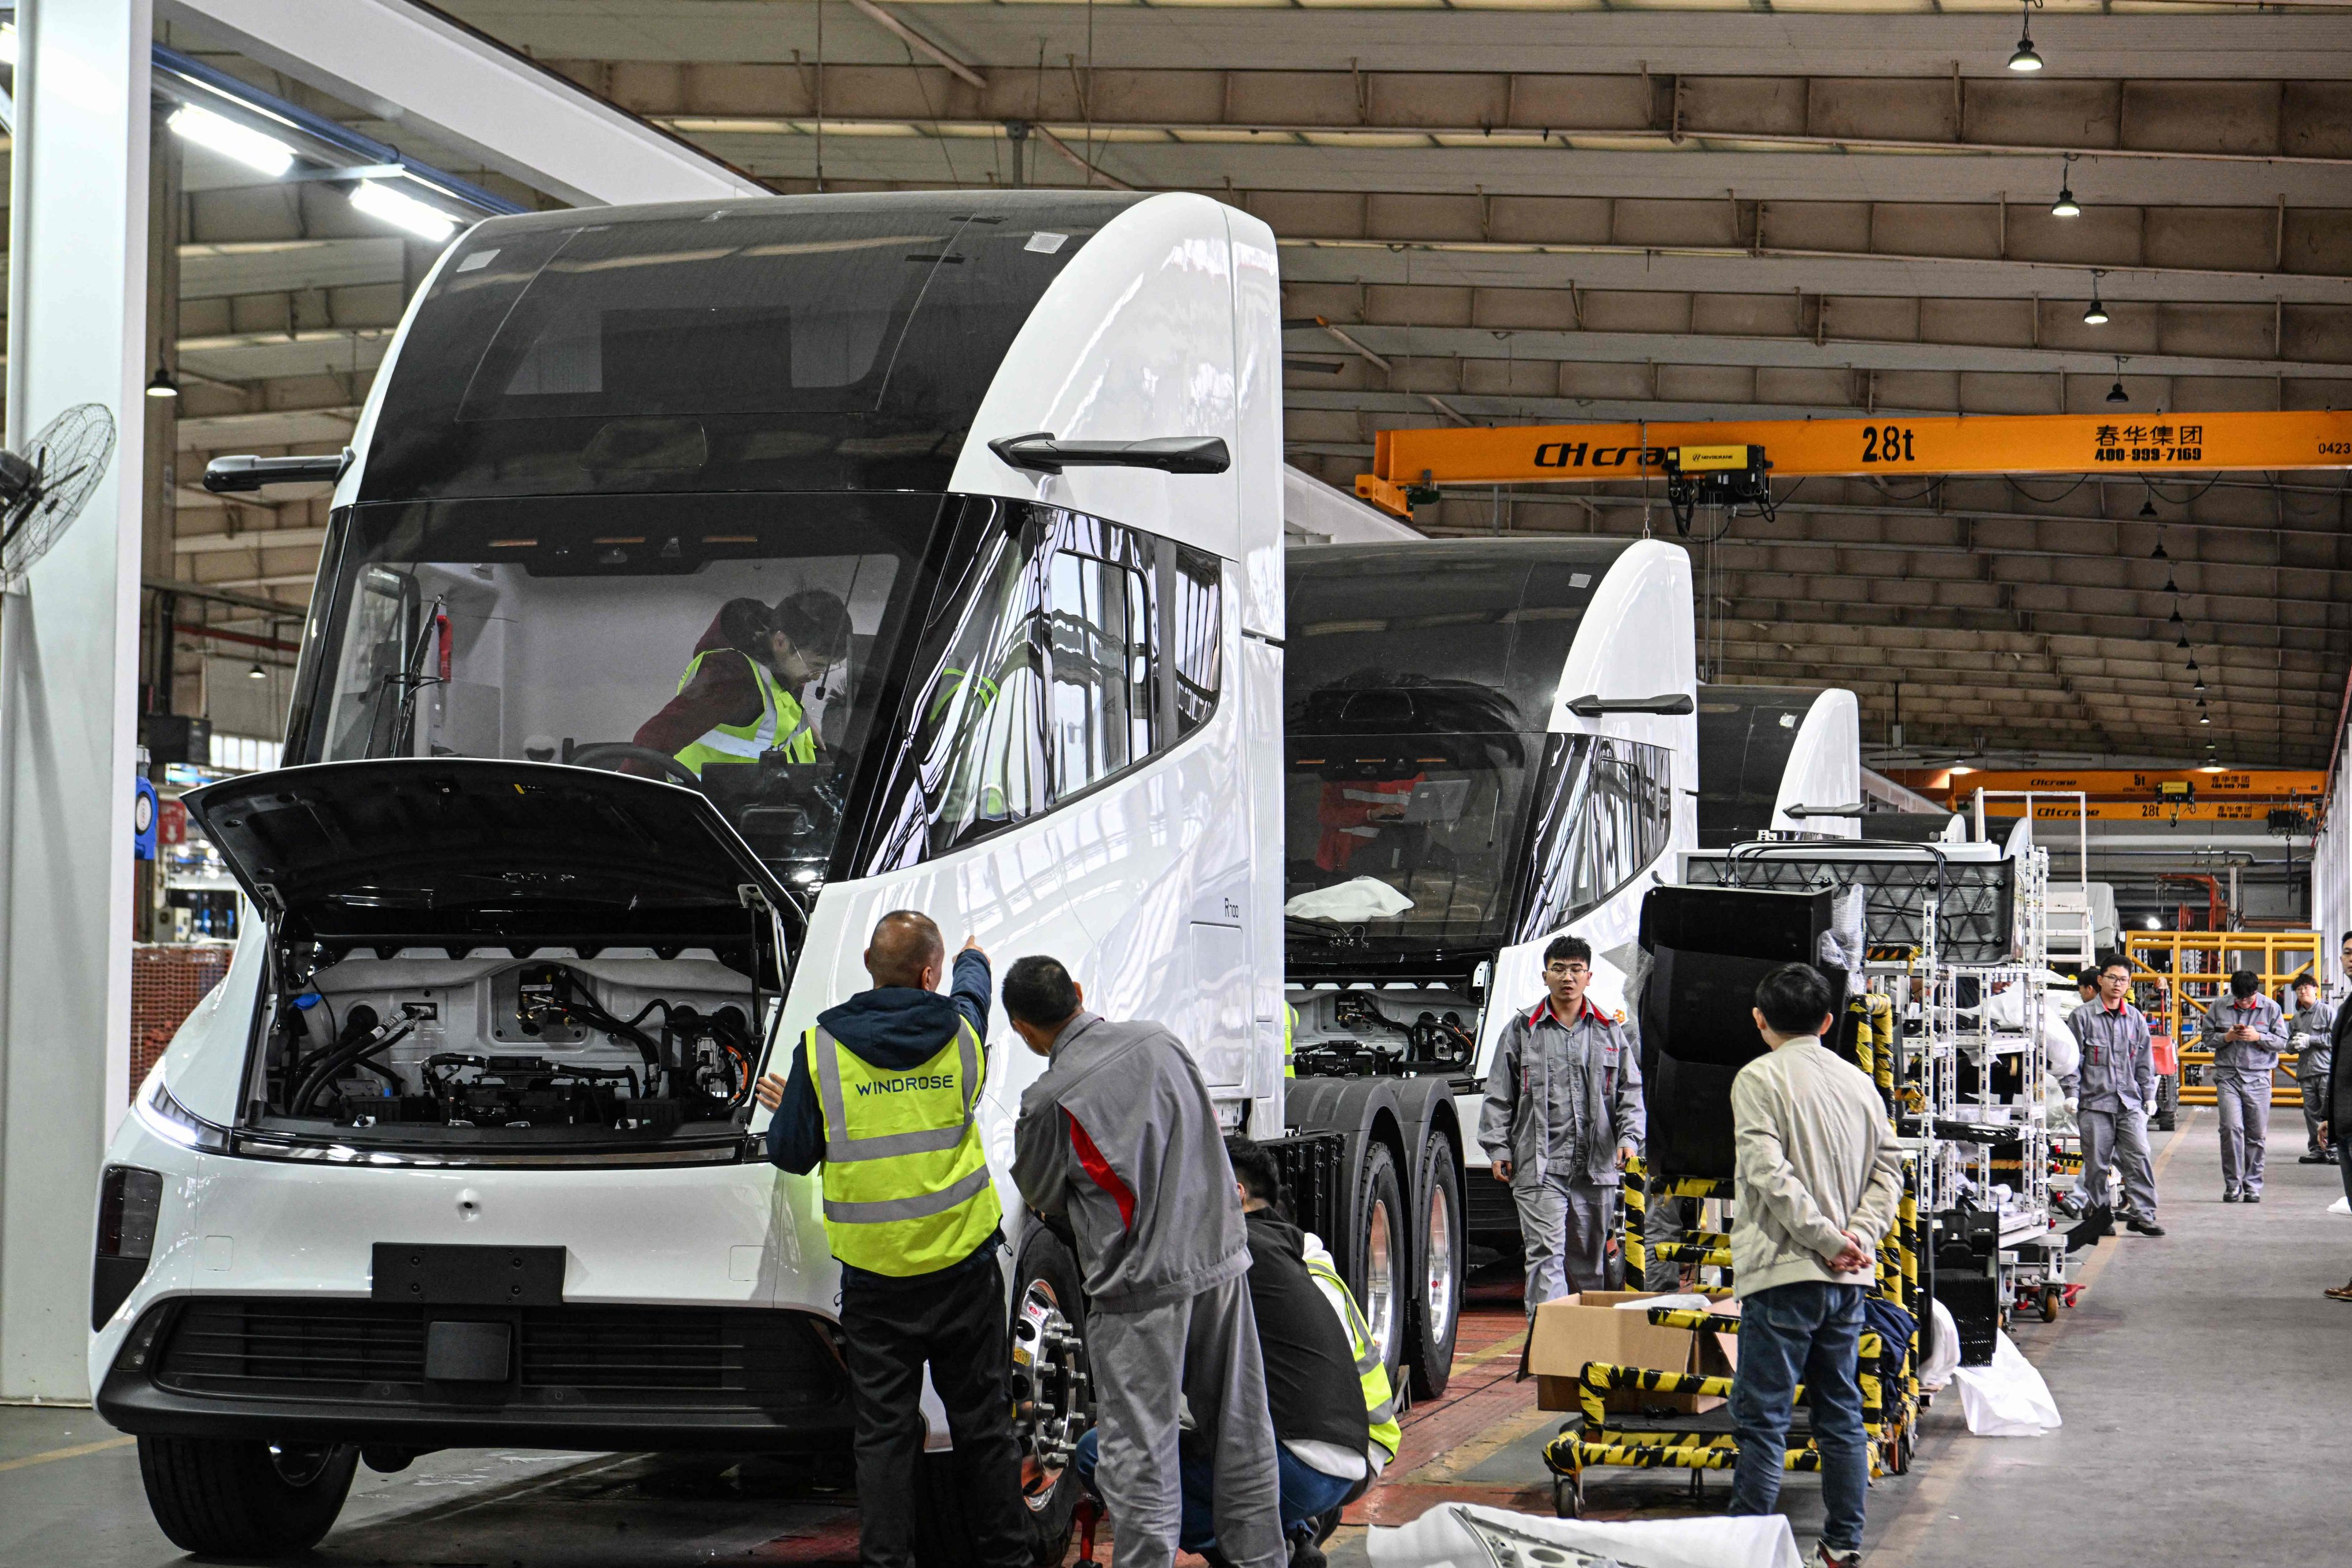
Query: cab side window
[(1628, 808), (979, 757), (1196, 635), (1070, 650), (1609, 815), (1101, 651)]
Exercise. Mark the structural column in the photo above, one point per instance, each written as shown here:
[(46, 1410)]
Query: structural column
[(68, 665)]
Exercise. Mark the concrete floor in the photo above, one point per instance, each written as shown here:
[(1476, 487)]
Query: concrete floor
[(2201, 1378)]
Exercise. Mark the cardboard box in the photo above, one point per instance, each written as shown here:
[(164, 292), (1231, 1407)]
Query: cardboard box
[(1590, 1327)]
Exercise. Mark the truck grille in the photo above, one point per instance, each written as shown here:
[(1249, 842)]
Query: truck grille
[(568, 1356)]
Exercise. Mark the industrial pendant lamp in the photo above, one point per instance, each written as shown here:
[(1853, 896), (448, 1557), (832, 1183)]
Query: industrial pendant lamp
[(2147, 506), (2169, 585), (2175, 616), (163, 385), (2095, 314), (2183, 643), (2025, 60), (2116, 394), (256, 673), (2065, 206), (2158, 553)]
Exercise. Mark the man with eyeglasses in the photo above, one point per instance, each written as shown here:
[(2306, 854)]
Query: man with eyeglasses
[(1563, 1113)]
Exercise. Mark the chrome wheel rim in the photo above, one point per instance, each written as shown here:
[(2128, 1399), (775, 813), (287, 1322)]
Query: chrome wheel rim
[(1379, 1280), (1438, 1265), (1053, 1402)]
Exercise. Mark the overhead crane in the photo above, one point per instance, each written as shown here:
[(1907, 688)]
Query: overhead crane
[(1733, 462)]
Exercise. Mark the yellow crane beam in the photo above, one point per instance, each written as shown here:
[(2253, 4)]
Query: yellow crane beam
[(2133, 444)]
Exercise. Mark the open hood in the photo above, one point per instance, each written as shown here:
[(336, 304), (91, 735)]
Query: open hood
[(450, 851)]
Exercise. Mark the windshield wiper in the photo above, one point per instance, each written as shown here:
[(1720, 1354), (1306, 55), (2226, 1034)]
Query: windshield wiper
[(409, 682)]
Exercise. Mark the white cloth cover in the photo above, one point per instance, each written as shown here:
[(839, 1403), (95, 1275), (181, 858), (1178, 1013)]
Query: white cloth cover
[(1944, 1356), (1691, 1302), (2341, 1206), (2006, 1399), (1442, 1538), (1359, 898)]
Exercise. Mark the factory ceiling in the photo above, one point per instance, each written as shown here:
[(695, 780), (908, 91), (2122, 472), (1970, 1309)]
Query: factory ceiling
[(1556, 210)]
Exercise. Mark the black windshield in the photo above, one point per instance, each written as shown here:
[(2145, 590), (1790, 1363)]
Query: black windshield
[(748, 645), (1481, 629), (780, 343)]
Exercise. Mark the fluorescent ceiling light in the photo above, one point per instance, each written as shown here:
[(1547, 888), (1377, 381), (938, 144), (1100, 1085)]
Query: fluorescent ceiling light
[(379, 200), (265, 155)]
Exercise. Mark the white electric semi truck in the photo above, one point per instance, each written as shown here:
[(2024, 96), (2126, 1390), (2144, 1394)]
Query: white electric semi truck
[(463, 1149)]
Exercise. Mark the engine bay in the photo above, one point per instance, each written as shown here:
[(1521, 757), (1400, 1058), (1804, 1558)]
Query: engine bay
[(1349, 1031), (619, 1050)]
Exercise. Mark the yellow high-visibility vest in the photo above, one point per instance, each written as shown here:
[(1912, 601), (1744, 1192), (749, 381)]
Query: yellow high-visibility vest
[(906, 1180), (1289, 1040), (1379, 1399), (780, 713)]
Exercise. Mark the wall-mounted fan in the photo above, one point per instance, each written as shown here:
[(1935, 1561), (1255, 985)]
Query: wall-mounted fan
[(44, 488)]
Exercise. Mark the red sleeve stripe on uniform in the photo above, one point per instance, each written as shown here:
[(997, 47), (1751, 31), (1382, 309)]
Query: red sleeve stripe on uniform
[(1098, 1170)]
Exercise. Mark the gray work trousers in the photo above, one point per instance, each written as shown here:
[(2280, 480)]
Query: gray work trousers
[(1564, 1223), (2313, 1089), (2242, 1098), (2118, 1137), (1205, 1350)]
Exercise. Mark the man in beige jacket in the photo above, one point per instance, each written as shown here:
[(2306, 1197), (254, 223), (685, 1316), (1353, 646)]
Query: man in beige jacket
[(1814, 1186)]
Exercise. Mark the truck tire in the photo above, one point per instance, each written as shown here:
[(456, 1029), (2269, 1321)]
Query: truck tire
[(1381, 1257), (1048, 1343), (1436, 1314), (218, 1497)]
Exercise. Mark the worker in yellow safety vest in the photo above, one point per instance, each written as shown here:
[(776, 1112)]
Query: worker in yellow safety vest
[(738, 697), (1289, 1040), (883, 1094)]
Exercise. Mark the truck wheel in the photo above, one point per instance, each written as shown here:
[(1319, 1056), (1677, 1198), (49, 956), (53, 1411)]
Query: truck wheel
[(220, 1497), (1381, 1257), (1436, 1313), (1053, 1388)]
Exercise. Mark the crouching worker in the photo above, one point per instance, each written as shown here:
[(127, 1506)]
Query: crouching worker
[(881, 1094), (1315, 1384), (1118, 1148)]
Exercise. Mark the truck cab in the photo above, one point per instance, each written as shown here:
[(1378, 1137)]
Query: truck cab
[(704, 581), (1487, 743)]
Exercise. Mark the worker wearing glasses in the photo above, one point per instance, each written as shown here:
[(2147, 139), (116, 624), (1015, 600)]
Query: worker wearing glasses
[(1563, 1113)]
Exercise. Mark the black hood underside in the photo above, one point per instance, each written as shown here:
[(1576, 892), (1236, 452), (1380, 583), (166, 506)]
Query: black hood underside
[(454, 851)]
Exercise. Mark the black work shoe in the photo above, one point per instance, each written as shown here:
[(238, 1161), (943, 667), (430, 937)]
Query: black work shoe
[(2142, 1227), (2254, 1197), (1304, 1554), (2316, 1158), (1824, 1557), (2231, 1198)]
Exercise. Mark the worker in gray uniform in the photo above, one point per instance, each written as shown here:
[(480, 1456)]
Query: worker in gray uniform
[(2245, 1031), (1118, 1147), (2311, 1029), (1563, 1113), (2109, 1092)]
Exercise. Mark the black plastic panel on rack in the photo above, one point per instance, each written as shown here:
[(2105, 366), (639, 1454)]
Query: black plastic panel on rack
[(1975, 900), (1709, 948)]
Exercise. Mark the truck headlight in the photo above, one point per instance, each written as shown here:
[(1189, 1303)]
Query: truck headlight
[(169, 1118)]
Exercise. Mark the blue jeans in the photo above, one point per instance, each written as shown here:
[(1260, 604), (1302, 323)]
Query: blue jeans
[(1306, 1492), (1806, 1332)]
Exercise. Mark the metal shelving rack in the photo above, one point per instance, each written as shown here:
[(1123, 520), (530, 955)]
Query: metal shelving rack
[(1977, 1137)]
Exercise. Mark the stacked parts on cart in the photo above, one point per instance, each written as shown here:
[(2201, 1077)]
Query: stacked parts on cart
[(1707, 947)]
